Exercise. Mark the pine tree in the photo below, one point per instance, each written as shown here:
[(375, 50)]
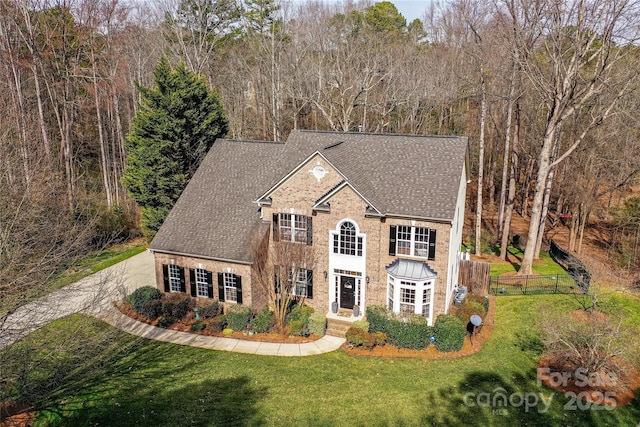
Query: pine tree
[(176, 124)]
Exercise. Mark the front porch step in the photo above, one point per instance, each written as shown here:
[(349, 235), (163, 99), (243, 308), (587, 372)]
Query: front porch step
[(337, 328)]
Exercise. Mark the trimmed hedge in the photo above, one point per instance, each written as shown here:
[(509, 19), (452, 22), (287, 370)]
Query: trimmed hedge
[(361, 324), (358, 337), (263, 321), (165, 322), (413, 333), (142, 295), (449, 332), (197, 326), (297, 327), (317, 324), (238, 317), (300, 312), (479, 299)]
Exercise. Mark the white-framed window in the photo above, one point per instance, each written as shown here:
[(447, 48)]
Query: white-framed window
[(230, 287), (302, 286), (174, 278), (426, 302), (346, 240), (202, 284), (412, 241), (406, 297), (292, 228)]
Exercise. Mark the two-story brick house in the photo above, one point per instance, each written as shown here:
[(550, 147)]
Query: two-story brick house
[(383, 214)]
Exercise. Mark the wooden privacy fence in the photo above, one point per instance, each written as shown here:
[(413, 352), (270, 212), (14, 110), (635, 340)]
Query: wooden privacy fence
[(531, 285), (475, 275)]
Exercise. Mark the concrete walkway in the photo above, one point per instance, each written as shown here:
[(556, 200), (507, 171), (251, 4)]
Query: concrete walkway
[(94, 296)]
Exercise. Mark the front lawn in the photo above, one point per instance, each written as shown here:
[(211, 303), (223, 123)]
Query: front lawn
[(148, 383)]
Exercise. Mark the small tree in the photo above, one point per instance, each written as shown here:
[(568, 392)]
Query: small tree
[(276, 270), (592, 345), (178, 121)]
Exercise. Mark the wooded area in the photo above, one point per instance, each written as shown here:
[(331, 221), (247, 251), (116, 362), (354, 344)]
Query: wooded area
[(545, 89)]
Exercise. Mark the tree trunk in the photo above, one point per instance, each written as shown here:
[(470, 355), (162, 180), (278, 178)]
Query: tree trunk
[(483, 114), (510, 202), (103, 144), (505, 160)]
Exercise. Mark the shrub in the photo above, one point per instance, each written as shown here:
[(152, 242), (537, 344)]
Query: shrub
[(484, 301), (151, 309), (141, 295), (238, 317), (297, 327), (300, 312), (227, 331), (263, 321), (210, 311), (216, 325), (197, 326), (467, 309), (449, 332), (361, 324), (165, 322), (413, 332), (358, 337), (177, 309), (317, 324)]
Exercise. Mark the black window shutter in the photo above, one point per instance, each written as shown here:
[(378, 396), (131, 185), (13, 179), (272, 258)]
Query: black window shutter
[(165, 276), (221, 287), (310, 284), (183, 284), (276, 281), (210, 284), (432, 244), (238, 289), (276, 232), (392, 240), (309, 231), (192, 282)]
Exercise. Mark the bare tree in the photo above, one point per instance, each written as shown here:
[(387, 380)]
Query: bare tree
[(572, 63), (282, 273)]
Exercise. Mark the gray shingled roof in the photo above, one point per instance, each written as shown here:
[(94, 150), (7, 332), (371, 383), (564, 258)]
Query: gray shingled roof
[(216, 217)]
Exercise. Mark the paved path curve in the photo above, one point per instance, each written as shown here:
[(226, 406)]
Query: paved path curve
[(94, 295)]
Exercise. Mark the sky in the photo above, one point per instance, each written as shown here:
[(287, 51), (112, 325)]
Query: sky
[(410, 9)]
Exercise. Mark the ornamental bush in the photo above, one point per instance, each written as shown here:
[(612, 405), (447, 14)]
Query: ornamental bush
[(263, 321), (300, 312), (484, 301), (412, 332), (177, 309), (238, 317), (449, 332), (197, 326), (210, 311), (142, 295), (469, 308), (361, 324), (317, 324), (358, 337), (151, 309), (165, 322)]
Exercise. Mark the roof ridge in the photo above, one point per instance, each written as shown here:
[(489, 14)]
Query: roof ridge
[(252, 141), (383, 134)]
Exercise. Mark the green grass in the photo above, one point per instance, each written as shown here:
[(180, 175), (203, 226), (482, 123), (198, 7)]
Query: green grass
[(148, 383), (544, 266), (96, 262)]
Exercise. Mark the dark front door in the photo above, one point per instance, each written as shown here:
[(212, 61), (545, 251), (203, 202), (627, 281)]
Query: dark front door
[(347, 291)]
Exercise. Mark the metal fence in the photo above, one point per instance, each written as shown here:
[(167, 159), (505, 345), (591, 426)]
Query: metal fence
[(532, 285)]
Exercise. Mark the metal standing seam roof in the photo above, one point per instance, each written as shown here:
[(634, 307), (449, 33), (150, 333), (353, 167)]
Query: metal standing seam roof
[(411, 269), (216, 216)]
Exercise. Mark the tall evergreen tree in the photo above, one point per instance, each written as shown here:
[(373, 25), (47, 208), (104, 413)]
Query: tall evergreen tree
[(178, 121)]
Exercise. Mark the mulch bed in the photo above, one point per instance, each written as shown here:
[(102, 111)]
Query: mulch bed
[(621, 388), (14, 414), (184, 325)]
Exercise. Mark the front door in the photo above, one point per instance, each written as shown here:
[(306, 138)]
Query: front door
[(347, 291)]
